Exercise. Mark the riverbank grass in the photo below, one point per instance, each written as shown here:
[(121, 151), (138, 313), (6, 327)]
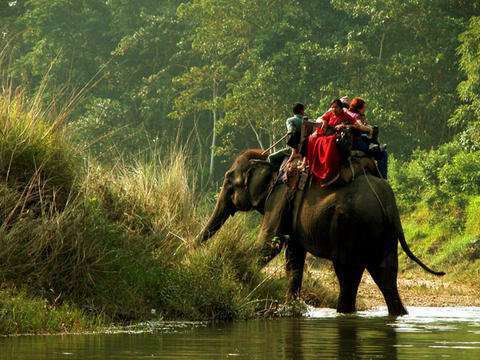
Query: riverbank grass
[(23, 314), (449, 238), (92, 245)]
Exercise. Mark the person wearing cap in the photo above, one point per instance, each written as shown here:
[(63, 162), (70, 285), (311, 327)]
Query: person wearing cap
[(296, 147)]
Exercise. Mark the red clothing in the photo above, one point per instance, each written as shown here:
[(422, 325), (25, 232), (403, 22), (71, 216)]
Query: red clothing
[(334, 119), (323, 157), (322, 153)]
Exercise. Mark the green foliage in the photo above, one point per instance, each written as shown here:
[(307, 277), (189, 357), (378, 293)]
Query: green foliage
[(22, 314), (149, 66), (472, 225), (448, 237), (67, 39), (468, 113), (439, 176), (441, 216), (105, 131), (459, 177)]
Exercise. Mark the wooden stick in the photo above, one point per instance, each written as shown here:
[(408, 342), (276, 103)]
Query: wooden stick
[(275, 144)]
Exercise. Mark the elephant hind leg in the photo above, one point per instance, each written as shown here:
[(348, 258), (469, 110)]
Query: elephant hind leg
[(349, 279), (386, 280)]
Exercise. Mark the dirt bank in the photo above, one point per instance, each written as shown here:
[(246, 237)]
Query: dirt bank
[(416, 288), (420, 289)]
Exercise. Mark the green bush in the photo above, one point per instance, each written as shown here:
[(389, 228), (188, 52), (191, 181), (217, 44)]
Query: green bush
[(441, 213), (472, 225), (438, 176), (461, 175)]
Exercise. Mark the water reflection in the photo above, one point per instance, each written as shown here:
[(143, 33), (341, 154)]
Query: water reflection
[(293, 341), (356, 338), (345, 338), (426, 333)]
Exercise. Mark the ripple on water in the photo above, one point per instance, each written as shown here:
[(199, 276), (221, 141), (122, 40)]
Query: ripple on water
[(417, 314), (419, 319)]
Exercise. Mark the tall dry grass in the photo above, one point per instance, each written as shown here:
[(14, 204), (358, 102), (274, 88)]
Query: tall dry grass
[(118, 241)]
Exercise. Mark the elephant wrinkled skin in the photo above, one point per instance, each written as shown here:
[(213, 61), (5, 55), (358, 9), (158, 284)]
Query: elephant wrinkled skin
[(356, 226)]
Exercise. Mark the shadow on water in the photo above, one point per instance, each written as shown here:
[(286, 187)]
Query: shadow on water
[(344, 338), (354, 338), (428, 333)]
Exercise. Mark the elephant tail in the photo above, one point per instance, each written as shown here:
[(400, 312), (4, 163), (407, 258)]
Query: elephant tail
[(410, 254)]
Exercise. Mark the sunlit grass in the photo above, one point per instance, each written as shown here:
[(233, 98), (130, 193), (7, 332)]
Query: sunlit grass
[(449, 239), (23, 314)]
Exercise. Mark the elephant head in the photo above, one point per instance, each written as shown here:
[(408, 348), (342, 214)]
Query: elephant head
[(245, 187)]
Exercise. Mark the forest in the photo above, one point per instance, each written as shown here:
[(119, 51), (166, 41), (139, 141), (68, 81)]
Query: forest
[(149, 101), (223, 75)]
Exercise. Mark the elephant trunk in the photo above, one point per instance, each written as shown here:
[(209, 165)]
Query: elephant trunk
[(223, 210)]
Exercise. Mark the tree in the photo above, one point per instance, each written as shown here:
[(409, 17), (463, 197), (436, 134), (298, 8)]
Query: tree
[(68, 40), (201, 90), (228, 71), (410, 68), (467, 115)]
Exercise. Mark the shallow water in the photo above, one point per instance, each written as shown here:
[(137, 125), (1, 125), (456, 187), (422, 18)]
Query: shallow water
[(427, 333)]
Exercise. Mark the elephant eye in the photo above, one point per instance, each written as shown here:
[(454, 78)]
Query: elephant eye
[(232, 179), (238, 181)]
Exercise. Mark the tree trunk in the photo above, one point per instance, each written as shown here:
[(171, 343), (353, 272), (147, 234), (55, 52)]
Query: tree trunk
[(199, 139), (380, 52), (257, 135), (214, 130)]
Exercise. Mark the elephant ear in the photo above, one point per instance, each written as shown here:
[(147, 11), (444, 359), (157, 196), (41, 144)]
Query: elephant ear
[(257, 181)]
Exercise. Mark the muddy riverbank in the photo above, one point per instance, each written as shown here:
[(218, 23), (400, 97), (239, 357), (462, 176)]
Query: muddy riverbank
[(416, 288)]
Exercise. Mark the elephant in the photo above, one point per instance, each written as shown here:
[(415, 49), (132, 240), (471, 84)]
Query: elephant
[(357, 226)]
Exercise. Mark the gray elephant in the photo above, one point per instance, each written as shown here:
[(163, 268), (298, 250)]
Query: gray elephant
[(356, 226)]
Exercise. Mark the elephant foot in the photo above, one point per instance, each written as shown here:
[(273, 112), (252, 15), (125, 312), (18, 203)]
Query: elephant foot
[(394, 304), (292, 308), (292, 296), (346, 309), (397, 311)]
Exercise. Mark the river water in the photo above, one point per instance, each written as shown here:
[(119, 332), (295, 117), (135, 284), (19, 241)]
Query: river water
[(426, 333)]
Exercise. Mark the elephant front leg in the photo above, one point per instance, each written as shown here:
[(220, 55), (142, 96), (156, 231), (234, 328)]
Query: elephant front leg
[(294, 264)]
